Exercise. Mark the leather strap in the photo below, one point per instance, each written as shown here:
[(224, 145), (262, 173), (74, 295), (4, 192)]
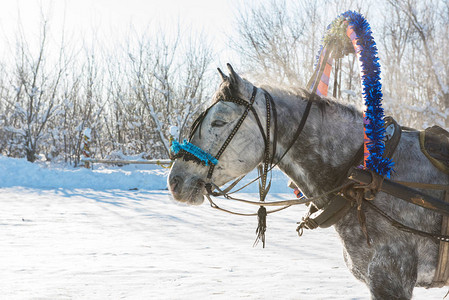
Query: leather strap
[(234, 131), (441, 277), (338, 205), (423, 139)]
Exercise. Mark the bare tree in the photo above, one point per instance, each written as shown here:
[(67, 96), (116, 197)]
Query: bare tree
[(168, 82), (280, 40), (36, 91), (417, 62), (270, 40)]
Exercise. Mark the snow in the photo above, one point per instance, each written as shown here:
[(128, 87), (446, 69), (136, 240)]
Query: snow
[(83, 234), (14, 130), (19, 172), (174, 131)]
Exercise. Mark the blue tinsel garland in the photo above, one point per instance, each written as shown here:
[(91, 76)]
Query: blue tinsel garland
[(372, 93), (194, 150)]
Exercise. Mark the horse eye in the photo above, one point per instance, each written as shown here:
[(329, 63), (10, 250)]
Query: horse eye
[(218, 123)]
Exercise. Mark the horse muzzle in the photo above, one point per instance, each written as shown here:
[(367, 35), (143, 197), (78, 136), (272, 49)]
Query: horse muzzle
[(186, 190)]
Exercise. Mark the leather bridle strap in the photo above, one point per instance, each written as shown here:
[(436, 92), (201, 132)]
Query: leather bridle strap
[(292, 142), (298, 130), (263, 189), (268, 158), (275, 124), (232, 134), (309, 102)]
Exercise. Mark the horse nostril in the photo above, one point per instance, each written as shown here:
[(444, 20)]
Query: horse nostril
[(175, 184)]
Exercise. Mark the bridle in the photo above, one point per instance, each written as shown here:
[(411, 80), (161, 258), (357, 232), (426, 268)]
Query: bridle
[(202, 157), (268, 156), (192, 152), (249, 106)]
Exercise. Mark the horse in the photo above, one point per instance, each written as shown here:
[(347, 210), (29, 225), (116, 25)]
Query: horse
[(394, 261)]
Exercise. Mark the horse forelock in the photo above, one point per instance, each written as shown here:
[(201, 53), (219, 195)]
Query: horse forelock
[(225, 91)]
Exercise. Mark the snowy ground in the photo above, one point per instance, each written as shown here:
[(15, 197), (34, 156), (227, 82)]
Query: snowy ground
[(83, 234)]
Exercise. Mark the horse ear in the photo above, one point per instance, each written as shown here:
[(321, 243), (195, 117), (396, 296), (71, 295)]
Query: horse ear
[(222, 75), (235, 79)]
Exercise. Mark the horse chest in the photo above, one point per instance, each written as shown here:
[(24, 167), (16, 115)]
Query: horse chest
[(390, 250), (357, 254)]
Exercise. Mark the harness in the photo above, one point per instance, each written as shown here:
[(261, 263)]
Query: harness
[(338, 205)]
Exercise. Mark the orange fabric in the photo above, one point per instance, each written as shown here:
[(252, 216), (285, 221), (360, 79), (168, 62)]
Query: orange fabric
[(322, 88), (327, 70), (357, 48), (365, 143)]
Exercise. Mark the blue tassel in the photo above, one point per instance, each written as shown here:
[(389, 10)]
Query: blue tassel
[(194, 150)]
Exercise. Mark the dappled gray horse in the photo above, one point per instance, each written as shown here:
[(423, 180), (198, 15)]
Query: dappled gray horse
[(396, 261)]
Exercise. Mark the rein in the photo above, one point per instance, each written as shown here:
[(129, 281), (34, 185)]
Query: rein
[(405, 228), (286, 203)]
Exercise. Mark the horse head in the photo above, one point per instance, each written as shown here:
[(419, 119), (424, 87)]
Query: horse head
[(241, 154)]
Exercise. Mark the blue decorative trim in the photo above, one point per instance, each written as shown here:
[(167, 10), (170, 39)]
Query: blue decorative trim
[(194, 150), (372, 94)]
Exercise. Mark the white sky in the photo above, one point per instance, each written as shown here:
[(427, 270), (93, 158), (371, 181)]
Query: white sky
[(111, 20)]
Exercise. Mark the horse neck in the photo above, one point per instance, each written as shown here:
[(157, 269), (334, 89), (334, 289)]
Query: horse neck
[(329, 141)]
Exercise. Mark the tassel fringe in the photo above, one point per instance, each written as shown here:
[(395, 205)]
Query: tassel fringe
[(262, 225)]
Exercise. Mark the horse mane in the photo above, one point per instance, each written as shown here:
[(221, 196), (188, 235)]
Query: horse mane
[(227, 91), (322, 103)]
